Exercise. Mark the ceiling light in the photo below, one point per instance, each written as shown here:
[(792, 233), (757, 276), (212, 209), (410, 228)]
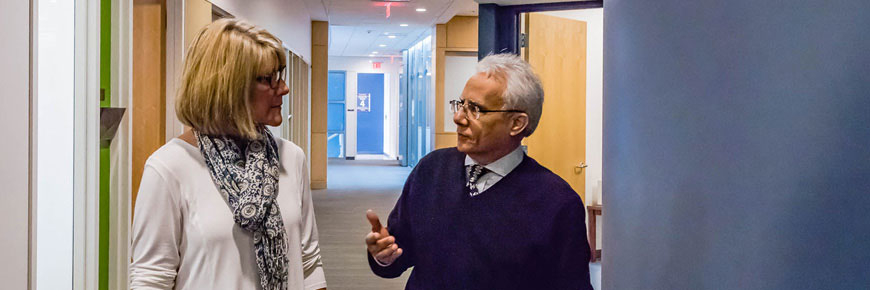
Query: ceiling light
[(421, 9), (391, 36), (371, 55), (403, 25), (374, 52), (382, 45)]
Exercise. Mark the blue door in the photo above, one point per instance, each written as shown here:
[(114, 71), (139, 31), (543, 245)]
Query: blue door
[(370, 113), (335, 115)]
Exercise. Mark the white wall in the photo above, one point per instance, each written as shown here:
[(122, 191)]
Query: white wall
[(56, 126), (594, 19), (287, 19), (457, 71), (354, 65), (14, 127)]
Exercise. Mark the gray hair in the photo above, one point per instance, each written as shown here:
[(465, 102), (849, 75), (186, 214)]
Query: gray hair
[(523, 90)]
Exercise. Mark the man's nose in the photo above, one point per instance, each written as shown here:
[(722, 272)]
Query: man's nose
[(459, 118)]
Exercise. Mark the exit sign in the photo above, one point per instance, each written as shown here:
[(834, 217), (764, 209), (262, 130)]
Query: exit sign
[(376, 65)]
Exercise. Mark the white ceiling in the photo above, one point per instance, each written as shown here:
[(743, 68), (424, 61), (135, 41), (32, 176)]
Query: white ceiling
[(359, 27)]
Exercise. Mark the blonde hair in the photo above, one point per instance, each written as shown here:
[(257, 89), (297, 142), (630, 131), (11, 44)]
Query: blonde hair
[(219, 69)]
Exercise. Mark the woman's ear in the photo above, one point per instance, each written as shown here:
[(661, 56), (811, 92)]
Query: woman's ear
[(519, 122)]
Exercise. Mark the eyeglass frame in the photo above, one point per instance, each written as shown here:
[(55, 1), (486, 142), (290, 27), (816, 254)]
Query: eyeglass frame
[(466, 110), (273, 79)]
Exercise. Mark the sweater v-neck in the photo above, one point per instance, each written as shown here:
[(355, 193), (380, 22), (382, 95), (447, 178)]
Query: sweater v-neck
[(497, 188)]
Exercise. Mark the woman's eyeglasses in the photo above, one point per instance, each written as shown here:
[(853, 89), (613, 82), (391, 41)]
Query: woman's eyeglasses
[(473, 110), (275, 78)]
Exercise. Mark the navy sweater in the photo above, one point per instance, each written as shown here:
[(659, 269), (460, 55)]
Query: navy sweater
[(525, 232)]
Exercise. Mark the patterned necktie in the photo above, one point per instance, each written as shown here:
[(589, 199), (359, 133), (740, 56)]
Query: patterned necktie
[(474, 172)]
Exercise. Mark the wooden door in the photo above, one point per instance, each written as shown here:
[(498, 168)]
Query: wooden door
[(149, 83), (557, 52)]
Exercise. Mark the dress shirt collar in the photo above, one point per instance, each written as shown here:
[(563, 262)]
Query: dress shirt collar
[(503, 165)]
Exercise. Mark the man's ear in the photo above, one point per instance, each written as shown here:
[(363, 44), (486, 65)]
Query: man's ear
[(519, 122)]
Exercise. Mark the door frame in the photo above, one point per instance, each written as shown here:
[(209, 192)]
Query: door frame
[(120, 176), (499, 26), (86, 156)]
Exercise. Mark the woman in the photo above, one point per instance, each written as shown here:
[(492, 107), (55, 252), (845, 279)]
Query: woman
[(226, 205)]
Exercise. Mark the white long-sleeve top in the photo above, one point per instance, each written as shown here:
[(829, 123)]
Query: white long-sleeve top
[(184, 236)]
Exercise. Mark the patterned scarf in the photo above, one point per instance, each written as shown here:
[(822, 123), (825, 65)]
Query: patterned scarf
[(248, 182)]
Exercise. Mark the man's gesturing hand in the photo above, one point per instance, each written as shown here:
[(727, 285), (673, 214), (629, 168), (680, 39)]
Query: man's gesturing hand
[(381, 245)]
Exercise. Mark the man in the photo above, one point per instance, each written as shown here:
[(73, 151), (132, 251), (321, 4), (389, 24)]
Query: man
[(483, 215)]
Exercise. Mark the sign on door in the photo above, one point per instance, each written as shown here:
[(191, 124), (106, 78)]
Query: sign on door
[(364, 102)]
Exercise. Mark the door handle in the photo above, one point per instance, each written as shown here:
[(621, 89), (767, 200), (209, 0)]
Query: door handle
[(579, 168)]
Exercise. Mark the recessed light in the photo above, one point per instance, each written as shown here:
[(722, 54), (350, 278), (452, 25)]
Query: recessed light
[(371, 55), (382, 45), (421, 9), (403, 25), (391, 36), (374, 52)]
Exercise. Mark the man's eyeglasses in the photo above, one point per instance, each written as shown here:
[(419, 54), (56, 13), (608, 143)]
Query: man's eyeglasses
[(275, 78), (473, 110)]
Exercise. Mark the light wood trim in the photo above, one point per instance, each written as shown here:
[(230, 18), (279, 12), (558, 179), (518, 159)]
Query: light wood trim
[(319, 77), (439, 91), (149, 85), (441, 35), (197, 14), (320, 33), (445, 140), (318, 148), (462, 32), (319, 101), (461, 50)]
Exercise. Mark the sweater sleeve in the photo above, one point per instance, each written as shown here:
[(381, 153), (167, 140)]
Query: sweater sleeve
[(157, 228), (572, 247), (398, 225), (312, 264)]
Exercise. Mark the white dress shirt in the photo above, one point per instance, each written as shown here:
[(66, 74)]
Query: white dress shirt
[(497, 169), (184, 236)]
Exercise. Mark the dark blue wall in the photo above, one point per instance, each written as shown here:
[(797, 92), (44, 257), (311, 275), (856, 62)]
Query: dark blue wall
[(736, 144)]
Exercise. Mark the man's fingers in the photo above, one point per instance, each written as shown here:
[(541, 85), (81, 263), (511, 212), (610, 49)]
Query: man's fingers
[(386, 254), (372, 238), (386, 242), (396, 254), (373, 219)]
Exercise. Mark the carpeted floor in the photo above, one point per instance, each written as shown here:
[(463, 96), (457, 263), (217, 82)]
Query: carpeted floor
[(353, 187)]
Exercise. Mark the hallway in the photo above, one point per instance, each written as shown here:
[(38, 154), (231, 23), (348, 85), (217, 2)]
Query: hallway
[(354, 187)]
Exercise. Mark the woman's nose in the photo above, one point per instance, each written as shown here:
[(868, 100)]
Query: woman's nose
[(283, 89)]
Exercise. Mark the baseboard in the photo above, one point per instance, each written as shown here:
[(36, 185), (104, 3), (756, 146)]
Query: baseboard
[(318, 184)]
